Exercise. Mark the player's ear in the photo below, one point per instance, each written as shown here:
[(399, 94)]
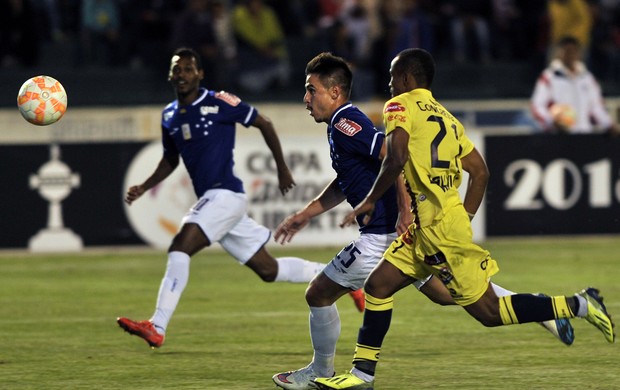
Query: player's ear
[(201, 74), (335, 92)]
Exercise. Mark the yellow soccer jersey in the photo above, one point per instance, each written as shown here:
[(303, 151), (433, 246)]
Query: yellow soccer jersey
[(437, 141)]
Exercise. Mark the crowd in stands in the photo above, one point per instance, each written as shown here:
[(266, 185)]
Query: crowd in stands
[(248, 43)]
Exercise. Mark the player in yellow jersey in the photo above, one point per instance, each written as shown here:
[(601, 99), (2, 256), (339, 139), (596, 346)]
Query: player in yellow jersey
[(430, 146)]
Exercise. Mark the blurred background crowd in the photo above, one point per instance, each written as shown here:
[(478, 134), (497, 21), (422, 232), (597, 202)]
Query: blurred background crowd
[(485, 48)]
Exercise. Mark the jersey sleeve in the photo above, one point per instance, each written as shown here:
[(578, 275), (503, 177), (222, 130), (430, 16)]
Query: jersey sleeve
[(395, 115), (236, 110), (170, 148), (466, 145)]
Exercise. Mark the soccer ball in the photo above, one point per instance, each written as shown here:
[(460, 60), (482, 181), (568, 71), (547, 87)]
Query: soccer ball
[(42, 100), (563, 115)]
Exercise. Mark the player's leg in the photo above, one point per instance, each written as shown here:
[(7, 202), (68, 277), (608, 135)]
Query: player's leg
[(246, 243), (209, 219), (383, 282), (466, 269), (188, 241), (435, 291), (523, 308), (283, 269), (561, 328), (346, 272), (324, 319), (438, 293)]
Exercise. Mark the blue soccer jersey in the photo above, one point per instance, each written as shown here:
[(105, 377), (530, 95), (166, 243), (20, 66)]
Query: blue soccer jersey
[(203, 133), (355, 145)]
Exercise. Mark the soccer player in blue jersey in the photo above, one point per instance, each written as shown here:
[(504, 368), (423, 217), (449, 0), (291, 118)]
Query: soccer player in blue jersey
[(199, 127), (427, 144), (356, 149)]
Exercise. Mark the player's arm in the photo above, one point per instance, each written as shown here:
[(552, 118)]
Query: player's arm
[(330, 197), (474, 164), (539, 103), (166, 166), (391, 167), (285, 178), (405, 217)]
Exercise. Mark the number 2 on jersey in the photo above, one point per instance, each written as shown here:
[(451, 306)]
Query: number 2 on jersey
[(435, 161)]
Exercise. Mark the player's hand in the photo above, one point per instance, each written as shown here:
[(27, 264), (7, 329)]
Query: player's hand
[(366, 208), (285, 180), (289, 227), (134, 193), (405, 218)]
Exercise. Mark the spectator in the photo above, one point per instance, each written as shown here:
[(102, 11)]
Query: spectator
[(148, 25), (505, 28), (19, 33), (225, 67), (100, 23), (603, 49), (193, 27), (469, 26), (566, 82), (569, 17), (263, 55), (404, 24)]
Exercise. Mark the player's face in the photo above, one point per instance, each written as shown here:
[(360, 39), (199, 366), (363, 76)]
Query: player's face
[(184, 75), (320, 100), (397, 81)]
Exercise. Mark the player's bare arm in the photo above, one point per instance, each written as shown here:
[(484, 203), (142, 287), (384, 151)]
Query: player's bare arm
[(285, 177), (475, 165), (405, 217), (164, 169), (391, 168), (330, 197)]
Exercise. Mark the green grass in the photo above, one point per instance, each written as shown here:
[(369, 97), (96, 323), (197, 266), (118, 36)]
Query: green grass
[(232, 331)]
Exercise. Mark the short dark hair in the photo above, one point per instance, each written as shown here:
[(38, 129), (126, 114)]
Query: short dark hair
[(332, 70), (189, 52), (568, 40), (419, 63)]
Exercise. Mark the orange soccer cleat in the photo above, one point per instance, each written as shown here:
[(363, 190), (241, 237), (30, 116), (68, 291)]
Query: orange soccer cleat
[(359, 298), (144, 329)]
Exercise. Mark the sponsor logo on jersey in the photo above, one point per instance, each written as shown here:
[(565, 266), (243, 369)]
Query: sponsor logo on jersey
[(394, 107), (229, 98), (206, 110), (348, 127), (397, 117)]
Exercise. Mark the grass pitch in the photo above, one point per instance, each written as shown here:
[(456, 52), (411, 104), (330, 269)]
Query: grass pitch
[(231, 331)]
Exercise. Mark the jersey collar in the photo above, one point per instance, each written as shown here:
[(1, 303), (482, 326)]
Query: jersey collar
[(338, 111)]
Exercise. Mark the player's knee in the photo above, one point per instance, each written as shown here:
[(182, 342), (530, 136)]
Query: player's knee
[(312, 298), (376, 289), (318, 296), (268, 276), (489, 320)]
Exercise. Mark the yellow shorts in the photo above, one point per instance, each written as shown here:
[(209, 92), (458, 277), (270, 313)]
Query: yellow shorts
[(447, 251)]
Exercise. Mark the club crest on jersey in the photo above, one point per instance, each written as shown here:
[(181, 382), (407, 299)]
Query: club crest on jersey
[(394, 107), (348, 127), (229, 98), (206, 110)]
